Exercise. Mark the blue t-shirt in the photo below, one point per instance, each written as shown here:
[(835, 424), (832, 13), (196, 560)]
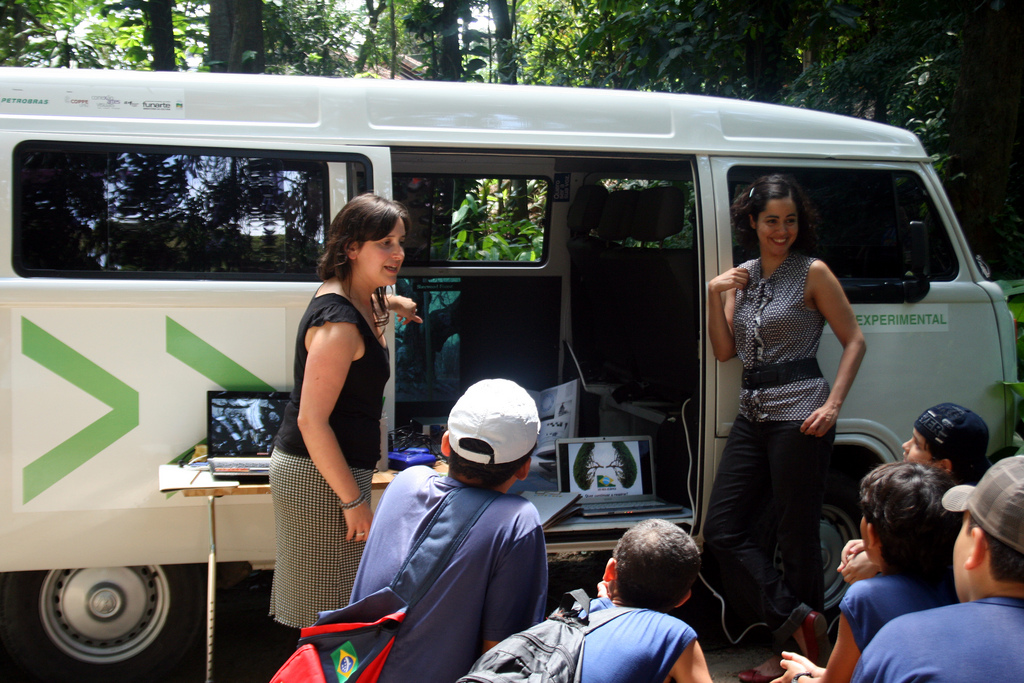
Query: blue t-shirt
[(638, 646), (971, 641), (871, 604), (494, 586)]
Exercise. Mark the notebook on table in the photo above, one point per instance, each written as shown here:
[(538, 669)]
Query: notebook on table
[(240, 430), (613, 474)]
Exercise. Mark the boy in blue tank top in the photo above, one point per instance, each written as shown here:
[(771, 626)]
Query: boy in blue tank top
[(979, 638), (909, 536), (652, 569)]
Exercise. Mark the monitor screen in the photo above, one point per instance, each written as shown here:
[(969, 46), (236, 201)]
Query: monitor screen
[(243, 423)]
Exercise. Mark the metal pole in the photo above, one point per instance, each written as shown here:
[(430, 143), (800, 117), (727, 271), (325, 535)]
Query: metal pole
[(211, 590)]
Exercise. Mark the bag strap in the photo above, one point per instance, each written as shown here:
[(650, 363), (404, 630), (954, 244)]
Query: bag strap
[(574, 603), (577, 602), (606, 615), (437, 543)]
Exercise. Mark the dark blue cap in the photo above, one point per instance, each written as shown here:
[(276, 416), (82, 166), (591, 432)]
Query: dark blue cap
[(959, 435)]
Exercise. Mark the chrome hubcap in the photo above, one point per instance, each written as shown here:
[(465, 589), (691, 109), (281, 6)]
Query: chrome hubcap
[(106, 614)]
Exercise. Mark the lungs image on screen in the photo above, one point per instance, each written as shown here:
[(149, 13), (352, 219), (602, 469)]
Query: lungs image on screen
[(586, 468)]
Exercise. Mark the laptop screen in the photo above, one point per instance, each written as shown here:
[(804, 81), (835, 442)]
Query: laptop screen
[(605, 466), (243, 423)]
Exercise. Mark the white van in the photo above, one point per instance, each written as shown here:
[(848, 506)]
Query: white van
[(157, 240)]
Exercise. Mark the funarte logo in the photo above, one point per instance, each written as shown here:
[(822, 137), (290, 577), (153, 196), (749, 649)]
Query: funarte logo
[(346, 661)]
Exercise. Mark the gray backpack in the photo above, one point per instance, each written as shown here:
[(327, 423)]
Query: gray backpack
[(549, 652)]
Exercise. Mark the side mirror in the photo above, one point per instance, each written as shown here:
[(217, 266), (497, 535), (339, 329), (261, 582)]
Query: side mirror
[(916, 282)]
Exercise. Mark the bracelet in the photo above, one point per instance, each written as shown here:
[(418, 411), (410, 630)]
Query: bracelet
[(802, 674), (355, 503)]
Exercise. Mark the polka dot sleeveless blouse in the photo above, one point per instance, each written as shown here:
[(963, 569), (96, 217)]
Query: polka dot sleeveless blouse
[(772, 325)]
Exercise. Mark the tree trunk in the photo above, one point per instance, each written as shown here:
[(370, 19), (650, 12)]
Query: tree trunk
[(219, 48), (983, 121), (450, 67), (373, 12), (247, 54), (161, 34), (504, 48), (15, 39), (768, 65)]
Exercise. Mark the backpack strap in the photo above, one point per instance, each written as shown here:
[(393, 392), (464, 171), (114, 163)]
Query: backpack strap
[(604, 616), (576, 605), (439, 540)]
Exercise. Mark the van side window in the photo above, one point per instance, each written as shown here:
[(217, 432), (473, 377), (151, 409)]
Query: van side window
[(91, 211), (466, 219), (864, 231)]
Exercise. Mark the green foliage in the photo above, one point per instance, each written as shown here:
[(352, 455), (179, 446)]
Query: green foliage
[(904, 75), (496, 220), (1009, 226), (717, 47), (93, 34), (1014, 292), (309, 37)]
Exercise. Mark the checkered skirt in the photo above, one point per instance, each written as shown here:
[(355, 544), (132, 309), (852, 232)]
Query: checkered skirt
[(315, 565)]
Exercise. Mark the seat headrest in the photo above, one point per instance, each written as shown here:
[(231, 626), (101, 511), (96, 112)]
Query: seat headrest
[(585, 211), (618, 215), (659, 213)]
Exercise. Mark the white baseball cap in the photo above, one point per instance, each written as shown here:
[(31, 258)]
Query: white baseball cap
[(498, 412)]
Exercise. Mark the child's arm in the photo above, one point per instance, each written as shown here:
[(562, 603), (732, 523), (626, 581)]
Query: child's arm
[(841, 663), (691, 667)]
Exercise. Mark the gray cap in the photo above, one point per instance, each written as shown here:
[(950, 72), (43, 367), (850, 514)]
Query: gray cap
[(996, 503)]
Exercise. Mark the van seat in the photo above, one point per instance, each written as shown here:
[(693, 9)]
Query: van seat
[(585, 211), (597, 221), (660, 212), (618, 215), (655, 290)]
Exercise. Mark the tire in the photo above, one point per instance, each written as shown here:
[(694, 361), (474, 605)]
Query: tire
[(102, 624), (840, 522)]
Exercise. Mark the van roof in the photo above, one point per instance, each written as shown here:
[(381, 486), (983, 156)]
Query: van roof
[(221, 107)]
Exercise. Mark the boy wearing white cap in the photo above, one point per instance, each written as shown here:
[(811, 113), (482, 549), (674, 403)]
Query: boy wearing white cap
[(496, 582), (980, 638)]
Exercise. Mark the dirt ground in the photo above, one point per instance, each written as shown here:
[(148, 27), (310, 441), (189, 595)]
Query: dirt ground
[(250, 646)]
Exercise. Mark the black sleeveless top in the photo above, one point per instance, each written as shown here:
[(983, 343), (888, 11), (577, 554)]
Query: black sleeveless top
[(356, 416)]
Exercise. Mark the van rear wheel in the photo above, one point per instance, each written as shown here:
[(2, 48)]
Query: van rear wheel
[(840, 522), (101, 624)]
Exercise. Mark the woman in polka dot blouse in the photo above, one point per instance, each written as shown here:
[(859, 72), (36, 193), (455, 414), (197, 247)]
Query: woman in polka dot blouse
[(770, 312)]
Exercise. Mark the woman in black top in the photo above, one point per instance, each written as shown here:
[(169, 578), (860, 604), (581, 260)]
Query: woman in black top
[(329, 443)]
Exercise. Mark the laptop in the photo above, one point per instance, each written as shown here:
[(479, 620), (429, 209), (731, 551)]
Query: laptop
[(613, 474), (240, 430)]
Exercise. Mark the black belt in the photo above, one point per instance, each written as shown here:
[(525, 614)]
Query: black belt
[(781, 373)]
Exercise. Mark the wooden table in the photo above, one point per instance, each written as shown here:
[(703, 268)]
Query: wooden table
[(194, 483)]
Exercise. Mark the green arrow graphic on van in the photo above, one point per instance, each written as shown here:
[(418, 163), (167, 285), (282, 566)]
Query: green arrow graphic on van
[(202, 357), (65, 362)]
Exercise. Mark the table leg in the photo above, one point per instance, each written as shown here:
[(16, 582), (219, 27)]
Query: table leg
[(211, 589)]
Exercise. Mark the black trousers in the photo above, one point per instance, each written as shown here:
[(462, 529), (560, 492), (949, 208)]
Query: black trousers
[(762, 462)]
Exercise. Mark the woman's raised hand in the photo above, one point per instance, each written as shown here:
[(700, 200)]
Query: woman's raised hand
[(734, 278)]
